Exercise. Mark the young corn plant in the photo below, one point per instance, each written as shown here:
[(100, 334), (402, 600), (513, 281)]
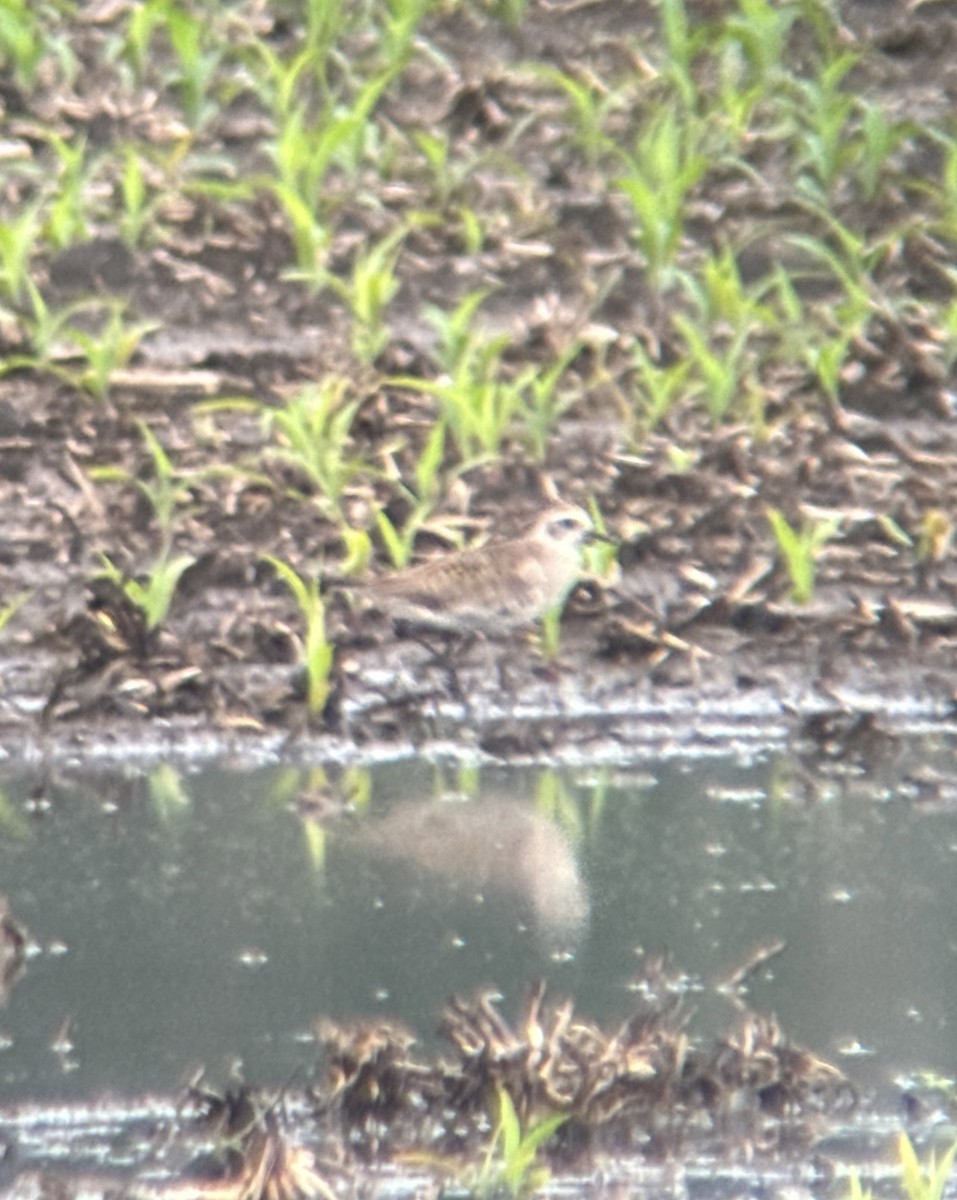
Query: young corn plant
[(314, 433), (456, 329), (599, 559), (18, 241), (542, 402), (138, 207), (659, 388), (447, 172), (138, 31), (722, 366), (823, 111), (358, 546), (401, 20), (799, 549), (751, 53), (67, 214), (166, 491), (666, 163), (11, 608), (198, 56), (21, 41), (372, 285), (511, 1166), (477, 404), (318, 653), (152, 593), (942, 191), (308, 145), (924, 1182), (400, 543), (879, 137), (590, 106), (684, 41), (106, 351), (719, 294)]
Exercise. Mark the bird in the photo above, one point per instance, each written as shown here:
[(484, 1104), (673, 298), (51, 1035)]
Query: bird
[(497, 587)]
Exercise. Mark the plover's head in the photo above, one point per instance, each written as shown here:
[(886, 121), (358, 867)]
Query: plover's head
[(563, 526)]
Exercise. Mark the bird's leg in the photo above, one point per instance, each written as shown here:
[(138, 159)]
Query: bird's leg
[(454, 645)]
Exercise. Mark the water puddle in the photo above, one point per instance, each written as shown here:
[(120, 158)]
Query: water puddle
[(179, 920)]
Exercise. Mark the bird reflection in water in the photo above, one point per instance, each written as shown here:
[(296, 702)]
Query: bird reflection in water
[(490, 846)]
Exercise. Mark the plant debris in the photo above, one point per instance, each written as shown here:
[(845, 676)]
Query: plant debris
[(646, 1088)]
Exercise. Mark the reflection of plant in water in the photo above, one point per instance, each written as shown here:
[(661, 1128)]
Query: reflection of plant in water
[(319, 800), (14, 827), (167, 794), (554, 799)]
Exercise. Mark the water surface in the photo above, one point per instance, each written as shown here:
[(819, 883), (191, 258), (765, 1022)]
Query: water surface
[(209, 919)]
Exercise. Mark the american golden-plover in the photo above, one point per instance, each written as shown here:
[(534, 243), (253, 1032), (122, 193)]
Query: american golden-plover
[(496, 587)]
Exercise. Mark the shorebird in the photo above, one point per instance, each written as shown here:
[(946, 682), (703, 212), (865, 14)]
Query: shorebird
[(495, 587)]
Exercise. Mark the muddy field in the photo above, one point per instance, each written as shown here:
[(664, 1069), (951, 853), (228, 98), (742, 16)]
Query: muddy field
[(169, 314), (696, 620)]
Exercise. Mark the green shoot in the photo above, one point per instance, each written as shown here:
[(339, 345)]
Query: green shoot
[(11, 608), (67, 217), (666, 164), (18, 240), (600, 556), (455, 329), (358, 546), (154, 596), (722, 370), (826, 110), (21, 40), (167, 490), (138, 207), (936, 536), (856, 1190), (590, 106), (314, 431), (541, 401), (924, 1183), (108, 350), (189, 36), (681, 48), (510, 1164), (167, 793), (659, 387), (318, 652), (799, 550), (551, 633), (398, 543), (477, 404), (368, 292)]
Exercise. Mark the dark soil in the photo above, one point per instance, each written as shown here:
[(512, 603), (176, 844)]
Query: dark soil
[(694, 638)]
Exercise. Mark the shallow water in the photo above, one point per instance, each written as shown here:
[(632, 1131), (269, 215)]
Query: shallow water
[(182, 920)]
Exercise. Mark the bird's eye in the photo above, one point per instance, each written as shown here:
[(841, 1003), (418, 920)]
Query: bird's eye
[(568, 523)]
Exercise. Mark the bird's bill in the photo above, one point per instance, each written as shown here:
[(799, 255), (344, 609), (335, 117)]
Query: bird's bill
[(592, 535)]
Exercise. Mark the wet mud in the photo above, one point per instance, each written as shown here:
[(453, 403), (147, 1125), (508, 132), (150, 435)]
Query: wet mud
[(692, 636)]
